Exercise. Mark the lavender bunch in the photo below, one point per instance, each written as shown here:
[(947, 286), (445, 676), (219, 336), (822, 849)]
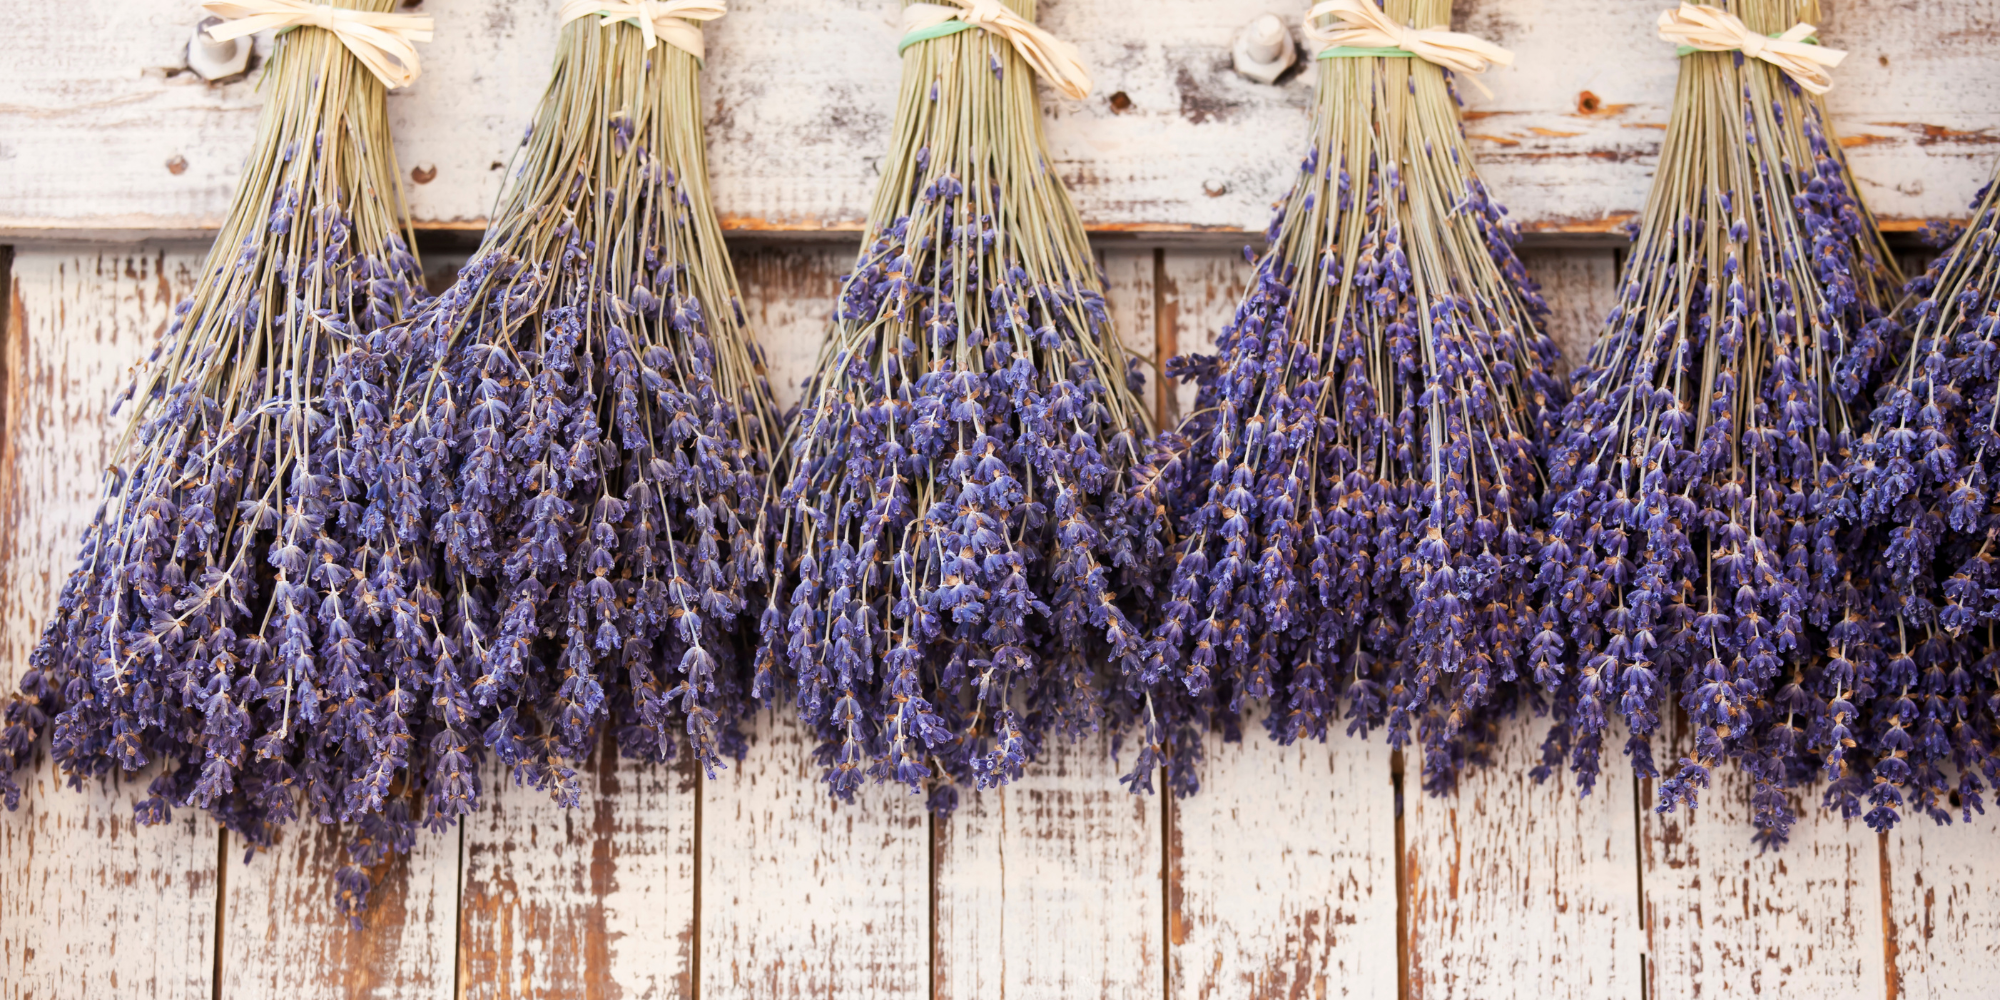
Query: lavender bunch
[(1356, 487), (958, 558), (238, 617), (1922, 479), (1695, 540), (582, 431)]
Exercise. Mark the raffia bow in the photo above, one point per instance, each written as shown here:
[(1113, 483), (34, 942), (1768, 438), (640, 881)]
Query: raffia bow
[(1712, 29), (1056, 60), (671, 21), (383, 42), (1363, 25)]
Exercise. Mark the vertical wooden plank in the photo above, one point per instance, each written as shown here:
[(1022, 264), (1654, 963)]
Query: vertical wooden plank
[(1281, 873), (1198, 295), (1518, 887), (1581, 288), (1724, 919), (1945, 935), (1052, 886), (1132, 299), (1522, 889), (91, 904), (282, 935), (805, 896), (592, 902), (789, 291)]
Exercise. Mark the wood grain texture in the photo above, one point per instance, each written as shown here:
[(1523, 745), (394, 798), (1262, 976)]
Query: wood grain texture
[(595, 902), (798, 96), (1520, 888), (282, 937), (1052, 886), (788, 297), (1945, 935), (1581, 287), (1281, 873), (804, 896), (1724, 920), (90, 903), (1199, 291)]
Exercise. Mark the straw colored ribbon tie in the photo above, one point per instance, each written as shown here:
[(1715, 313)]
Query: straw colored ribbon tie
[(1056, 60), (383, 42), (1698, 27), (670, 21), (1363, 29)]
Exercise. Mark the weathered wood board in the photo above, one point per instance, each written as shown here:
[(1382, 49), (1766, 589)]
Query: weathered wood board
[(1052, 886), (805, 896), (107, 132), (1725, 919), (1282, 878), (283, 937), (1281, 873), (1519, 887), (592, 902), (91, 904)]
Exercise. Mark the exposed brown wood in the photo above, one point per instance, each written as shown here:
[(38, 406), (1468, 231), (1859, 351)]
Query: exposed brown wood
[(1050, 886), (1283, 883), (283, 937), (1518, 887), (803, 896), (91, 904), (595, 902)]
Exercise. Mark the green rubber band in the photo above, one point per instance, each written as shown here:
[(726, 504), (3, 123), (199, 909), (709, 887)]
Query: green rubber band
[(1344, 52), (938, 30), (1683, 51)]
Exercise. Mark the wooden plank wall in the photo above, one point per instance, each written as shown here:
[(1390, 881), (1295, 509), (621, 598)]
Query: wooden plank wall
[(1306, 872), (799, 94)]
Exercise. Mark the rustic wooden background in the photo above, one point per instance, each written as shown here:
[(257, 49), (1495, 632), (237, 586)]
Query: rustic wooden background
[(1299, 873)]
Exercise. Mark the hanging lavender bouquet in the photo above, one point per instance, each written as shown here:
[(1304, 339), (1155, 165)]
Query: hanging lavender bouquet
[(1923, 475), (1361, 469), (582, 431), (237, 617), (956, 553), (1696, 546)]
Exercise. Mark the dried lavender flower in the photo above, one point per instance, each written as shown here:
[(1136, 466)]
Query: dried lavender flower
[(1695, 544), (583, 430), (954, 545), (237, 617), (1921, 478), (1356, 488)]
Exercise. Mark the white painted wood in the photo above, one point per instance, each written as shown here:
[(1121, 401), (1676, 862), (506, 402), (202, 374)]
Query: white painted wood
[(804, 896), (1518, 888), (592, 902), (1199, 292), (1945, 937), (1581, 287), (1132, 300), (1282, 878), (788, 298), (90, 903), (282, 935), (1052, 886), (1805, 921), (799, 95)]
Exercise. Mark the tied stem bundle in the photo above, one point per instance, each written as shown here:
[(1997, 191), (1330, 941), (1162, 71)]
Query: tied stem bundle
[(581, 431), (953, 539), (1924, 473), (1357, 485), (239, 615), (1695, 545)]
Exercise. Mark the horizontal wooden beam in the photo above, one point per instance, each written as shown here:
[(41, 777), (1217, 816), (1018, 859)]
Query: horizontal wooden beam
[(107, 136)]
